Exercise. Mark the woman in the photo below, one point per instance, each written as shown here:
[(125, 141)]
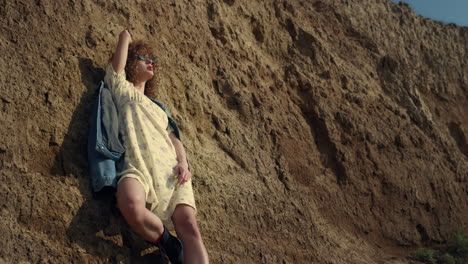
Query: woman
[(155, 182)]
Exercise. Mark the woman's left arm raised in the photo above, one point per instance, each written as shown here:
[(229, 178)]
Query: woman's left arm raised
[(181, 170)]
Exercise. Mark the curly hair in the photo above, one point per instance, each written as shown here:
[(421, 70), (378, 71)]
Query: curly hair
[(139, 47)]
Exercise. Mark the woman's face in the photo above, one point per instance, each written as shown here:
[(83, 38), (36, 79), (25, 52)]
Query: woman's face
[(145, 68)]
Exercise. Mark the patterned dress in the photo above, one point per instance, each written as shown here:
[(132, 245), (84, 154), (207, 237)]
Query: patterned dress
[(150, 156)]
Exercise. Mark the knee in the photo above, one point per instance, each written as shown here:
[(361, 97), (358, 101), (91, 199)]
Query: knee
[(188, 228), (132, 209)]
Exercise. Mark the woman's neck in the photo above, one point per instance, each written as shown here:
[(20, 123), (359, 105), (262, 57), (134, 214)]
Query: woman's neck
[(140, 86)]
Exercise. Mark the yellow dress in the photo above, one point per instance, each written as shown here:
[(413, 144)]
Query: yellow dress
[(150, 156)]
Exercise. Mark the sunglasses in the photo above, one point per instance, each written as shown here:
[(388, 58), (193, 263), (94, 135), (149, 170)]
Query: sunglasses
[(143, 57)]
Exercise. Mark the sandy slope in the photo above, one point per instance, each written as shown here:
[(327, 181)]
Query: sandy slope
[(318, 131)]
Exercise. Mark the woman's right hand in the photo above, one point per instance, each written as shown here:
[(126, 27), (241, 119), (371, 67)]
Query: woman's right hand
[(125, 34)]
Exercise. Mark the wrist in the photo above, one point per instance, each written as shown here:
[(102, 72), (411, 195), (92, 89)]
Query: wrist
[(183, 163)]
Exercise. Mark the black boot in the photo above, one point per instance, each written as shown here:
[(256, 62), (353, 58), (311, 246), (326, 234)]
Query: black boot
[(172, 247)]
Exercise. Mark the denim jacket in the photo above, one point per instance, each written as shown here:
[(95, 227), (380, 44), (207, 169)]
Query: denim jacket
[(104, 145)]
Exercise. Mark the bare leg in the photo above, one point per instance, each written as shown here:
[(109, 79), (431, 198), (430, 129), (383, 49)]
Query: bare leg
[(132, 203), (187, 230)]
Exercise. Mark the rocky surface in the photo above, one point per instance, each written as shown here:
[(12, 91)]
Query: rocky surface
[(318, 131)]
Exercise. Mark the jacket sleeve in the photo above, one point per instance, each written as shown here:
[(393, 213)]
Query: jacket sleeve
[(169, 128)]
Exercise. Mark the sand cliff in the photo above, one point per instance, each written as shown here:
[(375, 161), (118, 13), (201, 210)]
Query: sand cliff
[(318, 131)]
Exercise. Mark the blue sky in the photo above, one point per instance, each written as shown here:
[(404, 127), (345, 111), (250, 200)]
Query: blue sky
[(447, 11)]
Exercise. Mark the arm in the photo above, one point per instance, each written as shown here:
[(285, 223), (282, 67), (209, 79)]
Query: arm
[(120, 56), (182, 167)]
